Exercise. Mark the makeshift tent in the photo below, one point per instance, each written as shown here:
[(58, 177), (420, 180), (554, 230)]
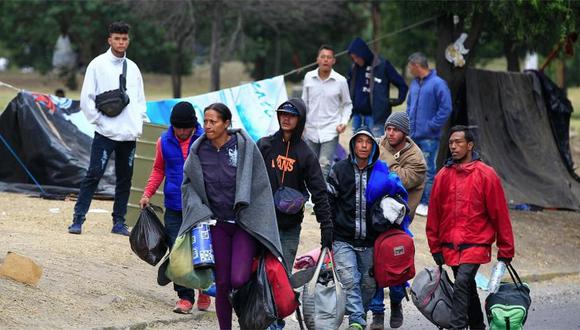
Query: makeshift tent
[(46, 139), (514, 136)]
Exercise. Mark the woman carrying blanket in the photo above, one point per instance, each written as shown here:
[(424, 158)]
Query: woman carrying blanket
[(225, 179)]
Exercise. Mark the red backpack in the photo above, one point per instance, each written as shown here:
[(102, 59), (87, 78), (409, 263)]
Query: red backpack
[(394, 258), (284, 296)]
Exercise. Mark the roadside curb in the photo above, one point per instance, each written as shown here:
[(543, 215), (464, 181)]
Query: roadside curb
[(196, 316), (547, 276)]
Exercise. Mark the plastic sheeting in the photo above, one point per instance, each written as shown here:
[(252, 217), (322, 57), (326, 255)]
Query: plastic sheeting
[(514, 136), (43, 131)]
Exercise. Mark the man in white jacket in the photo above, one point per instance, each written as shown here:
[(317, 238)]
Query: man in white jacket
[(112, 134), (328, 107)]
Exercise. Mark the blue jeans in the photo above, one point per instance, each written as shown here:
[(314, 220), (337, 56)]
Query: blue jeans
[(429, 147), (359, 120), (396, 295), (172, 221), (101, 151), (353, 265), (290, 238), (325, 152)]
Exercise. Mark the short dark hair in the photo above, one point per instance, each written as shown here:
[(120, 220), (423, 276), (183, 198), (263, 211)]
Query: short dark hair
[(119, 27), (467, 130), (220, 108), (326, 47)]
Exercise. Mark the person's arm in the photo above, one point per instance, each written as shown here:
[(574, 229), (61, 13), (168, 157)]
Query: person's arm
[(305, 91), (157, 173), (412, 174), (434, 218), (142, 103), (398, 81), (88, 95), (332, 191), (346, 103), (498, 213), (443, 100), (317, 186)]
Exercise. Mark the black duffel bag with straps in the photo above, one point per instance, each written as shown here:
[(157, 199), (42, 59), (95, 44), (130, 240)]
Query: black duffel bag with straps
[(111, 103), (508, 307)]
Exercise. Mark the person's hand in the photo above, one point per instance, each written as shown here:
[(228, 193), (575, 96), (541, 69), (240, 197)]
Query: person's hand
[(340, 128), (438, 257), (326, 237), (143, 202), (505, 260)]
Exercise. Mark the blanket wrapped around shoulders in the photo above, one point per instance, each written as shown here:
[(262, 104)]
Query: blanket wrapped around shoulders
[(254, 204)]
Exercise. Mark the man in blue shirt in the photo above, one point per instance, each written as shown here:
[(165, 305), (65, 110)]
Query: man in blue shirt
[(428, 108)]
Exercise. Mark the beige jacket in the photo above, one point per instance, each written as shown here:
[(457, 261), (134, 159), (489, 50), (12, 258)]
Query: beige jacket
[(410, 166)]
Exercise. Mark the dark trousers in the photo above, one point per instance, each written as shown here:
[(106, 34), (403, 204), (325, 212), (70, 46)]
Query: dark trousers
[(172, 221), (101, 151), (466, 306)]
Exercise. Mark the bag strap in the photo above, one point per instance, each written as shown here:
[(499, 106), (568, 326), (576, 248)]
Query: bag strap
[(284, 170), (123, 77), (514, 275)]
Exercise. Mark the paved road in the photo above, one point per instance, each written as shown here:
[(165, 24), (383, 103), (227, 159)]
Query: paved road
[(555, 306)]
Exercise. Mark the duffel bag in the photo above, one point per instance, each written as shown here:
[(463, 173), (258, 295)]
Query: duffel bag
[(508, 307)]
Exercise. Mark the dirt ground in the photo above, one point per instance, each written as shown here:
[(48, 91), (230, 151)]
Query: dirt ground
[(94, 280)]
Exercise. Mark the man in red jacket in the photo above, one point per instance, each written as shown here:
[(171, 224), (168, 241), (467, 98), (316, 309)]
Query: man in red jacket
[(467, 212)]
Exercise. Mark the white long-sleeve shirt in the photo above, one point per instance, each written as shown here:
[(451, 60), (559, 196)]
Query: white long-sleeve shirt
[(103, 75), (328, 104)]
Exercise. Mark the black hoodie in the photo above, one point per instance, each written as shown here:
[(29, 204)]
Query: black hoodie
[(347, 185), (302, 170)]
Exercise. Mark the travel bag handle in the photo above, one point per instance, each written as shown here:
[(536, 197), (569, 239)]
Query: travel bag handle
[(312, 283), (514, 275)]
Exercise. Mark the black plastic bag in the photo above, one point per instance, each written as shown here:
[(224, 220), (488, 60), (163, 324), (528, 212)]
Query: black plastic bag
[(254, 302), (147, 238)]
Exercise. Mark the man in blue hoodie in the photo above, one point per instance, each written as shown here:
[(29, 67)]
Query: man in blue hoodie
[(369, 81), (428, 108)]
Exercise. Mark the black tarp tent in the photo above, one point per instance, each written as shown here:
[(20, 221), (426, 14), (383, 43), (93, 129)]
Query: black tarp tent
[(44, 133), (514, 136)]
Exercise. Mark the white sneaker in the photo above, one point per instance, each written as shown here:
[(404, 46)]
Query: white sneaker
[(422, 210)]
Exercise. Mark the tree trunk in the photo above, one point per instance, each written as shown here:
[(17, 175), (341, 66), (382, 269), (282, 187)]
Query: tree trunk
[(278, 54), (176, 73), (511, 55), (561, 73), (259, 68), (215, 53), (447, 33), (376, 19)]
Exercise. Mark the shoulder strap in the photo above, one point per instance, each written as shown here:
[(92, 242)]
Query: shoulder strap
[(123, 77), (284, 170), (514, 275)]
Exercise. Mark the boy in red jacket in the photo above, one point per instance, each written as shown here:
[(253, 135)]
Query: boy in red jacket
[(467, 212)]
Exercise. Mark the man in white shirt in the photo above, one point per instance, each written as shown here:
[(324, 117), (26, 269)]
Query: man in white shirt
[(112, 134), (328, 105)]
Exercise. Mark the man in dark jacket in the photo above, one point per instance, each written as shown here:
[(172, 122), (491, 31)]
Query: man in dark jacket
[(292, 164), (354, 185), (369, 81), (467, 213)]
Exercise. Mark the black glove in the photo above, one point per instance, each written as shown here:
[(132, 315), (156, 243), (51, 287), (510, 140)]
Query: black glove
[(505, 260), (326, 237), (438, 257)]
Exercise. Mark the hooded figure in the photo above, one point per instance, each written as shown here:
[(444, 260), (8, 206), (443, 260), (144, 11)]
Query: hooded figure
[(290, 163), (369, 82), (354, 184)]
